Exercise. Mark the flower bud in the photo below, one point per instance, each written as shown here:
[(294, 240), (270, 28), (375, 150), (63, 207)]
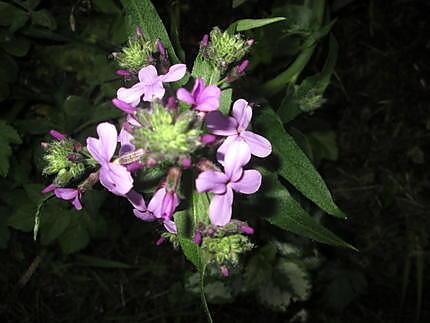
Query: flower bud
[(207, 139)]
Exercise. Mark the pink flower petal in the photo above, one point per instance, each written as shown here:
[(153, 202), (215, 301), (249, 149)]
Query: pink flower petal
[(66, 193), (136, 200), (237, 156), (131, 95), (220, 208), (116, 178), (77, 203), (220, 125), (148, 75), (211, 91), (249, 183), (49, 188), (175, 73), (210, 104), (211, 181), (170, 226), (155, 90), (124, 106), (242, 112), (144, 215), (156, 202), (260, 146), (184, 96), (222, 150), (102, 149)]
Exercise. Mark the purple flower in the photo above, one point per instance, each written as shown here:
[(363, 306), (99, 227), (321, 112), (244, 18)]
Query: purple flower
[(113, 176), (204, 99), (57, 135), (70, 194), (127, 108), (150, 84), (235, 129), (222, 185), (125, 139), (161, 207)]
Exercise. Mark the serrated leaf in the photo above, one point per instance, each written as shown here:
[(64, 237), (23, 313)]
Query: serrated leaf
[(247, 24), (298, 279), (274, 297), (295, 165), (143, 14)]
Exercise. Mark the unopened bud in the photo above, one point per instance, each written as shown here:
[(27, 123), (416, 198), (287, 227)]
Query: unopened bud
[(197, 238), (207, 139), (127, 108), (122, 73), (246, 229), (160, 241), (205, 41), (57, 135), (224, 271)]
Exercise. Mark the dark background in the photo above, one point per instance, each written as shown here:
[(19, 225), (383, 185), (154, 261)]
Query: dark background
[(377, 105)]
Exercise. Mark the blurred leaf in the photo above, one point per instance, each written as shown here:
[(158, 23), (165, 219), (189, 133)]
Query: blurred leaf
[(8, 69), (23, 218), (106, 6), (53, 222), (323, 144), (294, 165), (17, 46), (34, 192), (43, 18), (247, 24), (8, 136), (308, 96), (4, 91), (12, 16), (100, 262), (225, 101), (143, 14), (76, 237), (205, 70), (4, 231), (237, 3)]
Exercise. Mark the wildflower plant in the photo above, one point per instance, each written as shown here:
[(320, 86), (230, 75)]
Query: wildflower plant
[(186, 122)]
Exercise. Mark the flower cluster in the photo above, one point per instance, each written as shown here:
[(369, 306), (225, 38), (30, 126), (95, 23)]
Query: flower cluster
[(170, 129)]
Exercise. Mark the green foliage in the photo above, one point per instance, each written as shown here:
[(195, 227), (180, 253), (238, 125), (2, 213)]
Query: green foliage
[(247, 24), (8, 136), (143, 14), (294, 165)]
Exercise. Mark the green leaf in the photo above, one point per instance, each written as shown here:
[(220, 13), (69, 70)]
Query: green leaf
[(8, 136), (247, 24), (143, 14), (286, 213), (295, 165), (225, 101), (106, 6), (12, 16), (8, 69), (53, 222), (101, 263), (237, 3), (205, 70), (23, 218), (76, 237), (17, 46), (43, 18)]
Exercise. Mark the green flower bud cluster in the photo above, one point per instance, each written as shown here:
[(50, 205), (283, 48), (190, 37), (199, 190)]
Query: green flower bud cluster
[(309, 96), (226, 250), (59, 162), (225, 48), (136, 55), (165, 135)]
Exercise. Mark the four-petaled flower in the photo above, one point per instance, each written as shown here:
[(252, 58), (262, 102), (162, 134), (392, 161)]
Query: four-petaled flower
[(150, 84), (204, 99), (222, 184), (161, 207), (113, 176), (235, 130)]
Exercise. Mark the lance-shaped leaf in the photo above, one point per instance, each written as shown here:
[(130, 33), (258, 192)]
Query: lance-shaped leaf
[(294, 165), (247, 24), (285, 212), (143, 14)]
